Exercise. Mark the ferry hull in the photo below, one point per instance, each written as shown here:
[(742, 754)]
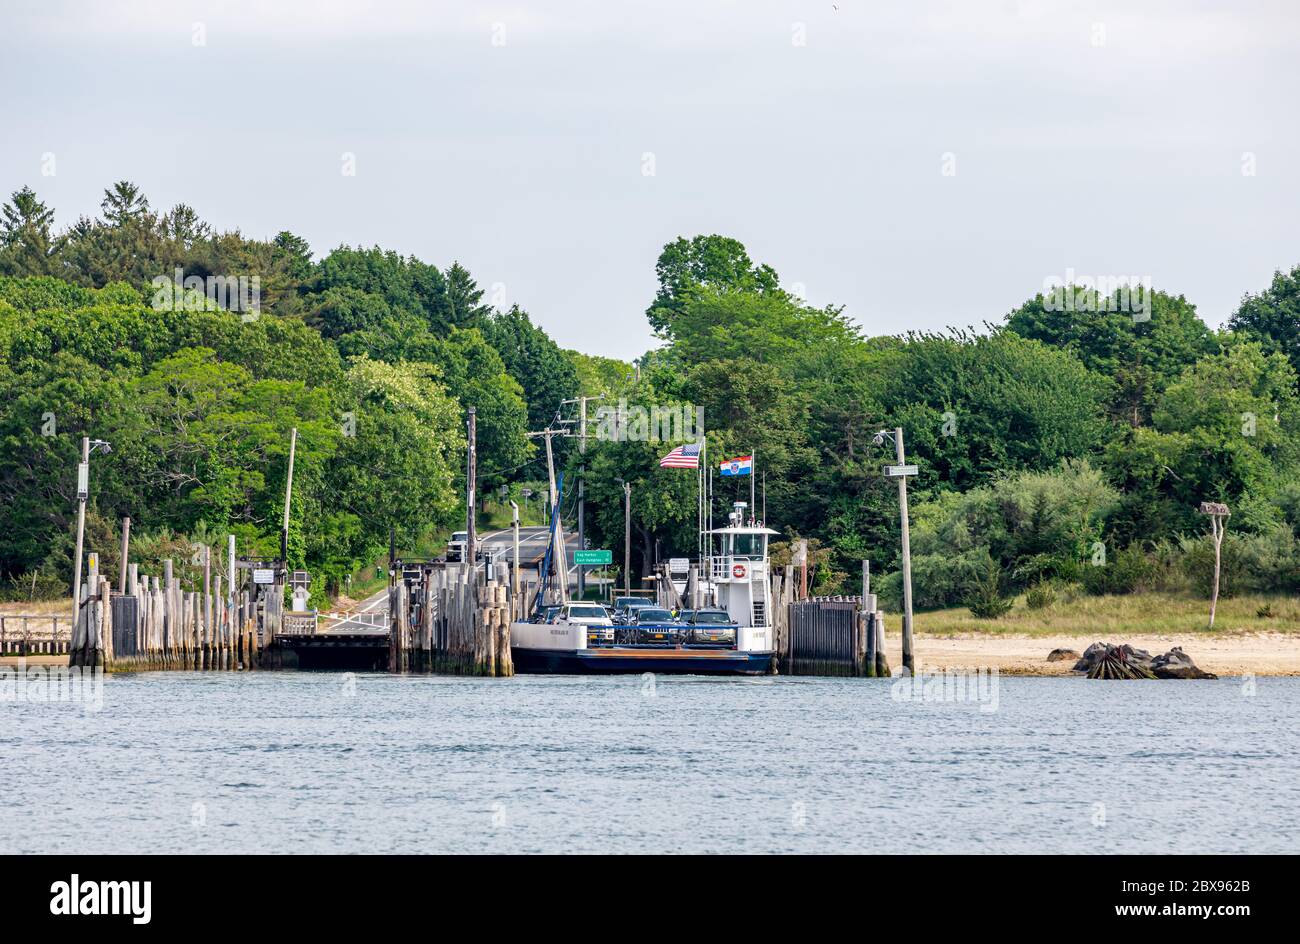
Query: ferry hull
[(624, 661)]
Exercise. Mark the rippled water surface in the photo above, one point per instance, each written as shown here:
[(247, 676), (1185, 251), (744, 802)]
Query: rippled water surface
[(299, 762)]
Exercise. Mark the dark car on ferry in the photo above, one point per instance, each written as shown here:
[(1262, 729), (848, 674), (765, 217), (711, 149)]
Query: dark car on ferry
[(708, 627), (652, 624), (623, 607)]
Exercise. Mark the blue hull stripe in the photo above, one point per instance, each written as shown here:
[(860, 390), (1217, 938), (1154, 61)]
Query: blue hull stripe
[(633, 661)]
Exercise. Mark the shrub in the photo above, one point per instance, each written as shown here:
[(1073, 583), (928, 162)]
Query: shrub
[(1198, 563), (1040, 596), (1125, 571), (35, 585), (986, 599)]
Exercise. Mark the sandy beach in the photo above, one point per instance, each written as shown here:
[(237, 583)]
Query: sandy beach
[(1234, 655)]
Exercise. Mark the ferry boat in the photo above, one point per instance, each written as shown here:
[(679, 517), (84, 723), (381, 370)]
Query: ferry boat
[(738, 582)]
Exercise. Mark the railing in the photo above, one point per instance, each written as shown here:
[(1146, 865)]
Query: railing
[(722, 568), (33, 634), (302, 623)]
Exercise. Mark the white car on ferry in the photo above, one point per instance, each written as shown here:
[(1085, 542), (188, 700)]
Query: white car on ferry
[(593, 616)]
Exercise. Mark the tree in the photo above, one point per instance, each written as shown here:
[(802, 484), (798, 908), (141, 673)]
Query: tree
[(546, 375), (1273, 316), (716, 262), (398, 464), (1140, 351), (975, 406), (27, 245), (464, 299), (123, 203)]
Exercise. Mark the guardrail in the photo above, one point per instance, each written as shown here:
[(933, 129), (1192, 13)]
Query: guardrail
[(26, 634)]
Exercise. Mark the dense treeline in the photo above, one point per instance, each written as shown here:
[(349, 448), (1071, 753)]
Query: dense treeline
[(1056, 447), (371, 355)]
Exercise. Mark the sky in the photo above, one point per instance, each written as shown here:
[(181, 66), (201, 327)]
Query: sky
[(923, 164)]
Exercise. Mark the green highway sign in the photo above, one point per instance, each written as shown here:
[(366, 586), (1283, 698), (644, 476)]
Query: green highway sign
[(593, 557)]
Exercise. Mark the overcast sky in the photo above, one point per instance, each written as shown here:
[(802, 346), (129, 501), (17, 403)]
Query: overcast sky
[(1099, 137)]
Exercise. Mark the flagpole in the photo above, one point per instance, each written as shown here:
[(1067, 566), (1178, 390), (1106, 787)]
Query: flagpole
[(753, 472), (699, 501)]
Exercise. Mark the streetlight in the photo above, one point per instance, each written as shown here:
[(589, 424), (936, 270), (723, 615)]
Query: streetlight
[(901, 471), (88, 446)]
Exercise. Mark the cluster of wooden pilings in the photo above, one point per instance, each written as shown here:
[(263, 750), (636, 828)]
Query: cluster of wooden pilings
[(158, 625), (836, 635), (452, 621)]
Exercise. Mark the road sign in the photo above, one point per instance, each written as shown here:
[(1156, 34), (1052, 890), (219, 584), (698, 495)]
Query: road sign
[(679, 565), (263, 575), (593, 557), (898, 471), (83, 481)]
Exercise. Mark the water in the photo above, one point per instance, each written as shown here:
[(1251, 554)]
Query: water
[(291, 762)]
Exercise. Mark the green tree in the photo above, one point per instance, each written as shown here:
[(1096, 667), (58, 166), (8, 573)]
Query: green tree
[(704, 262), (1273, 316), (27, 243), (546, 375)]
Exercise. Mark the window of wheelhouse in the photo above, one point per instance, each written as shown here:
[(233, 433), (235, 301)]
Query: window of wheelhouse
[(752, 546)]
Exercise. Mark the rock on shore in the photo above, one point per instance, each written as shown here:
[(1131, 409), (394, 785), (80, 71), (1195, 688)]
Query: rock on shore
[(1061, 655), (1136, 663), (1177, 664)]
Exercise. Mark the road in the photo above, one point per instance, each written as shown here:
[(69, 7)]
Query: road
[(532, 548), (372, 614)]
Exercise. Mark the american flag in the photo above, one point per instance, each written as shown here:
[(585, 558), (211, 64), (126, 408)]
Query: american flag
[(683, 457)]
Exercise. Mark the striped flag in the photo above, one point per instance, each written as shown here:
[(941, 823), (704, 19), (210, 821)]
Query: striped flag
[(741, 465), (683, 457)]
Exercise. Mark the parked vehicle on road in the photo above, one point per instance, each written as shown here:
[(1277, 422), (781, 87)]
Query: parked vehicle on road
[(457, 545)]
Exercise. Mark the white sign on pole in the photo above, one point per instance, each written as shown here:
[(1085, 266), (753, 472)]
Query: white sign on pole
[(898, 471), (83, 481), (679, 565), (263, 575)]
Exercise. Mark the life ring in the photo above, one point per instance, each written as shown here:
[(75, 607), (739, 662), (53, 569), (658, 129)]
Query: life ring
[(739, 571)]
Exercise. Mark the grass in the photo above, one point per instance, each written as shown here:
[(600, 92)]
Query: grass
[(1133, 614), (37, 608)]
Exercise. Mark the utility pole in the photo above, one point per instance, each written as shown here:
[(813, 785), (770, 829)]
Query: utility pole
[(471, 485), (560, 559), (83, 492), (514, 564), (901, 454), (126, 545), (582, 484), (288, 495), (230, 579), (627, 537)]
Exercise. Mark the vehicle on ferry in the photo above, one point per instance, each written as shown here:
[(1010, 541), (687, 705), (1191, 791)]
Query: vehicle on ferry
[(708, 627), (624, 607), (738, 586), (600, 628), (652, 624)]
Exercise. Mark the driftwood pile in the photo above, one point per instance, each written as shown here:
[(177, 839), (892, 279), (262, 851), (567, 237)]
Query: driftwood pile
[(1104, 661)]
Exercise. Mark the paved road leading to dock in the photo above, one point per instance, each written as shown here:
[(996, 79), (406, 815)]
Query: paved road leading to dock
[(372, 614)]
